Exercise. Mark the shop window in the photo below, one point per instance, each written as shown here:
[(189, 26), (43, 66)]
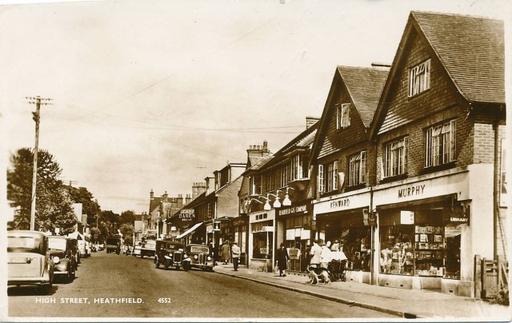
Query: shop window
[(397, 250), (440, 144), (357, 169), (420, 250), (395, 157), (419, 78), (342, 115)]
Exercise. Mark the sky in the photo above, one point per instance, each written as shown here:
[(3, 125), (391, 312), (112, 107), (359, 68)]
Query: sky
[(159, 94)]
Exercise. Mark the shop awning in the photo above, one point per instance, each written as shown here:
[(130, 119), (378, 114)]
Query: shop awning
[(189, 231)]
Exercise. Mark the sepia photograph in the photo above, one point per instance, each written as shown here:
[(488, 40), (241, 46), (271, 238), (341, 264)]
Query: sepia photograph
[(254, 160)]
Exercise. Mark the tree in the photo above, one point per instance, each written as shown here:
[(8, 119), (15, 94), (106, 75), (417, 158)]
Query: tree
[(127, 217), (53, 205), (89, 205), (127, 233)]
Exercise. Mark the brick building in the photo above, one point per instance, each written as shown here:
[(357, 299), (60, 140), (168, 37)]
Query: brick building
[(411, 178), (342, 158)]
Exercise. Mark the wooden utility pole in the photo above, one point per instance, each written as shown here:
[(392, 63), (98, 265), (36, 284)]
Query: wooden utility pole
[(38, 101)]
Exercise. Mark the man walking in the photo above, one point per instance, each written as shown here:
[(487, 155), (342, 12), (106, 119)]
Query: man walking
[(235, 255)]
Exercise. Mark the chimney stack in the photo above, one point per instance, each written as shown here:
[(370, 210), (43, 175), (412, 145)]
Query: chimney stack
[(258, 150), (198, 188), (310, 121), (151, 195)]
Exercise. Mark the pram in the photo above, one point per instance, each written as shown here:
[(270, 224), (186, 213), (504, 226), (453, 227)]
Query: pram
[(336, 270), (318, 274)]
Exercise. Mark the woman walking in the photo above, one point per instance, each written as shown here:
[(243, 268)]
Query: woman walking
[(282, 260)]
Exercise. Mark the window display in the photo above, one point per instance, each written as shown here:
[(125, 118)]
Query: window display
[(413, 250)]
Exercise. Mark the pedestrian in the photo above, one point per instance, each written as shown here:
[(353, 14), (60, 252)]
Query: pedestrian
[(282, 260), (225, 252), (213, 252), (325, 255), (315, 252), (235, 254)]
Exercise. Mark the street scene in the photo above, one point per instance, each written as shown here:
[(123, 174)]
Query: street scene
[(278, 159)]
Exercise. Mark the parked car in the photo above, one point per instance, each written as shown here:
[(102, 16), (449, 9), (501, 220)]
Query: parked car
[(29, 262), (60, 250), (197, 256), (148, 248), (168, 253), (101, 246), (113, 245)]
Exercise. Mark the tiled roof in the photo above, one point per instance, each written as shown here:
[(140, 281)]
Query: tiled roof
[(472, 51), (365, 87), (261, 162)]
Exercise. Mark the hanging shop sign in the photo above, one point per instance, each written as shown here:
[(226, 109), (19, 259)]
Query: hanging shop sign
[(292, 210), (187, 215), (460, 214)]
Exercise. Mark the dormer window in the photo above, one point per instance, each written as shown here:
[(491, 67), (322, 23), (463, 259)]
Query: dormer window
[(342, 116), (419, 78)]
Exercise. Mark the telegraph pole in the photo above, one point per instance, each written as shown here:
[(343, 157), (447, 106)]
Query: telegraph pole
[(38, 101)]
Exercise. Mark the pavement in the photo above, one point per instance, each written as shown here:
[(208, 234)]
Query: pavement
[(406, 303)]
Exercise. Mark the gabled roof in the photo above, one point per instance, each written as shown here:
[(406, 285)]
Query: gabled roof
[(301, 141), (365, 87), (472, 51)]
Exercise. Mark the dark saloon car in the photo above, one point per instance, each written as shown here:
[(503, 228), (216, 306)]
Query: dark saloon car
[(29, 262), (113, 245), (197, 256), (168, 253), (61, 252)]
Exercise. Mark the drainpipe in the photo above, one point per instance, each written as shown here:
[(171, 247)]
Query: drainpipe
[(496, 188)]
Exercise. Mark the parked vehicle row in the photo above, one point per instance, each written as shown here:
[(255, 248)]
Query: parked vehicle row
[(37, 259)]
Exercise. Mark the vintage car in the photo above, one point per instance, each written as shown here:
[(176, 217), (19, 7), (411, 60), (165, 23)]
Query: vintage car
[(60, 250), (29, 262), (168, 253), (113, 245), (148, 248), (197, 256)]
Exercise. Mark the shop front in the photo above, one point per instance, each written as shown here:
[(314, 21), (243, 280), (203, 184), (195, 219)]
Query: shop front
[(240, 226), (294, 231), (344, 218), (261, 240), (427, 236)]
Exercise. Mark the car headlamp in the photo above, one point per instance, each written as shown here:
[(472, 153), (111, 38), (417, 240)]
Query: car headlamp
[(56, 259), (195, 257), (209, 258)]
